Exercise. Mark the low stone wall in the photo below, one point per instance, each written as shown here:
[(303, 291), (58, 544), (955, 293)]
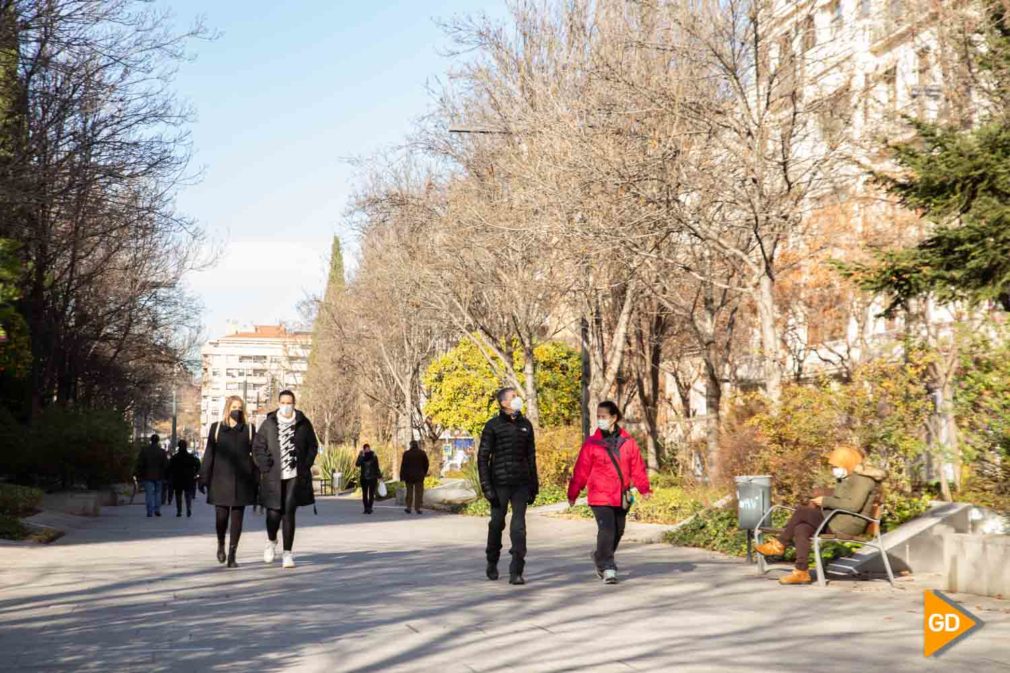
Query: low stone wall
[(79, 503), (977, 564)]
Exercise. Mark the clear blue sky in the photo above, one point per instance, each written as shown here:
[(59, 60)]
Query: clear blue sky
[(286, 93)]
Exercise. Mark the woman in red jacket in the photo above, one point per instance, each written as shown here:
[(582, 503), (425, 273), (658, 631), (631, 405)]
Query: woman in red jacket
[(609, 463)]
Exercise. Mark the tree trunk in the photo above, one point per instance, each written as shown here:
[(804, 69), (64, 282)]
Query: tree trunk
[(770, 346), (530, 385)]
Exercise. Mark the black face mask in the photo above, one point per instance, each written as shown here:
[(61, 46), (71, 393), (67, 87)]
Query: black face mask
[(236, 416)]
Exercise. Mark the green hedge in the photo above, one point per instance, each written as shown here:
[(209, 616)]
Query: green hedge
[(19, 501), (11, 528)]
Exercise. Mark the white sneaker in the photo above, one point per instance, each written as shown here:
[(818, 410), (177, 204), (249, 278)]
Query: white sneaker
[(610, 576), (289, 560), (270, 553)]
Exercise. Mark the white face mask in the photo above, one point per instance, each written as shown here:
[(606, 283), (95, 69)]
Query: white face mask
[(517, 404), (839, 472), (603, 424), (286, 410)]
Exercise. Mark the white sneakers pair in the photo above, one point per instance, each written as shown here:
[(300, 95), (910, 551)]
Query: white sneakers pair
[(270, 555)]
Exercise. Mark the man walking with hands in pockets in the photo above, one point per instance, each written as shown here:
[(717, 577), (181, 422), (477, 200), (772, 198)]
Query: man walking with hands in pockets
[(507, 464)]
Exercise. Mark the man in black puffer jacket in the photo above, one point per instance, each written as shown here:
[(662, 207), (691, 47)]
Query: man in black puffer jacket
[(507, 464)]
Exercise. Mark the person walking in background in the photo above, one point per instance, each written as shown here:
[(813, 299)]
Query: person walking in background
[(183, 469), (151, 471), (166, 485), (285, 450), (608, 464), (228, 475), (369, 476), (507, 464), (413, 470)]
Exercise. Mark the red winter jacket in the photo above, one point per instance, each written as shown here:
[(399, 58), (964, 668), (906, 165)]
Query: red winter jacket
[(595, 470)]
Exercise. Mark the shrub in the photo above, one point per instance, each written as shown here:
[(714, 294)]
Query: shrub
[(900, 508), (73, 447), (11, 528), (557, 450), (714, 529), (338, 459), (18, 501)]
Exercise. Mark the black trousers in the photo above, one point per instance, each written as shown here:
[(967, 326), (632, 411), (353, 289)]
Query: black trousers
[(800, 530), (368, 487), (516, 496), (610, 523), (225, 515), (189, 492), (284, 516)]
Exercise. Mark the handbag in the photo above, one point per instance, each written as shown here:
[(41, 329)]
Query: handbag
[(627, 499), (381, 489)]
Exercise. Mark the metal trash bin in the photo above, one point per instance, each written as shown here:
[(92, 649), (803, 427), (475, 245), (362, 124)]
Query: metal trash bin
[(337, 482), (754, 499)]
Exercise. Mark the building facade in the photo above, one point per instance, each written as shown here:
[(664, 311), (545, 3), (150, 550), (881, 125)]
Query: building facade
[(254, 364)]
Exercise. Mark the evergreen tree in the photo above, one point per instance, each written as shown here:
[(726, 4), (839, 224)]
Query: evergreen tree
[(959, 180)]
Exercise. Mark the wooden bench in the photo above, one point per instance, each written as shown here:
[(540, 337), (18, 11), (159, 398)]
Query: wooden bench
[(869, 538)]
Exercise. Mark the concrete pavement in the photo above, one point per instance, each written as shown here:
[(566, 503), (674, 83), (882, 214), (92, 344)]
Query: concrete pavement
[(394, 592)]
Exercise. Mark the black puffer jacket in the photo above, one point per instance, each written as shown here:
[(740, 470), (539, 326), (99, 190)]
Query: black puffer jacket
[(369, 464), (507, 454)]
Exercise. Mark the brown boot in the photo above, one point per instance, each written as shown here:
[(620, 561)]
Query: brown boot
[(797, 576), (771, 548)]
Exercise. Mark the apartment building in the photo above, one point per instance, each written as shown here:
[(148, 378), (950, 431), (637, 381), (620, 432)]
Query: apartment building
[(255, 364)]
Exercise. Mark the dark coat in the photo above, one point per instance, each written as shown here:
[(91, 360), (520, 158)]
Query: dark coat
[(414, 466), (854, 493), (267, 453), (228, 471), (369, 464), (507, 454), (152, 464), (183, 469)]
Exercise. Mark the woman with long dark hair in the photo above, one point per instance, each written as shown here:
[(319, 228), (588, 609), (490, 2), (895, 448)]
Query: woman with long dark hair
[(228, 474), (609, 463)]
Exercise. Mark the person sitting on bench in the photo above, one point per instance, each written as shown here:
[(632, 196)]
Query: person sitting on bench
[(854, 492)]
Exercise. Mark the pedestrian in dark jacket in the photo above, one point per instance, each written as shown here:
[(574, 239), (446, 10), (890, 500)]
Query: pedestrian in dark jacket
[(413, 470), (507, 464), (609, 463), (151, 471), (854, 491), (183, 469), (369, 476), (285, 450), (228, 475)]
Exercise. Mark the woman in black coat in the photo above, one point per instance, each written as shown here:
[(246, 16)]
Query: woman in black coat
[(284, 451), (228, 474)]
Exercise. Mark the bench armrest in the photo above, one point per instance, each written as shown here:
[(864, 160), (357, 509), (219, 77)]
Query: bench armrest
[(768, 514), (833, 512)]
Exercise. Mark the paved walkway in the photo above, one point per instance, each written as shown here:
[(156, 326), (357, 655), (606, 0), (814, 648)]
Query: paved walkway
[(396, 593)]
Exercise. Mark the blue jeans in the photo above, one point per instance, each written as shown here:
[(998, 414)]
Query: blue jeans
[(152, 496)]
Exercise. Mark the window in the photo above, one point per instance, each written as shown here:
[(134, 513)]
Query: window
[(865, 8), (809, 34), (895, 10), (835, 116), (891, 89), (233, 386), (837, 16)]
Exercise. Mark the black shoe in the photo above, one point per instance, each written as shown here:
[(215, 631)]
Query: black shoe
[(149, 515), (189, 514), (178, 514), (516, 578), (492, 571), (231, 558), (220, 552), (157, 513), (406, 511), (417, 511)]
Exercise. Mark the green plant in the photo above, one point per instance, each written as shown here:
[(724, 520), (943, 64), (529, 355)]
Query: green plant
[(714, 529), (72, 447), (338, 459), (11, 528), (19, 501), (900, 508)]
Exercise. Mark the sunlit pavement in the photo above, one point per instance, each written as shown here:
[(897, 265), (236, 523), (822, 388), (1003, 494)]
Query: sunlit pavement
[(394, 592)]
